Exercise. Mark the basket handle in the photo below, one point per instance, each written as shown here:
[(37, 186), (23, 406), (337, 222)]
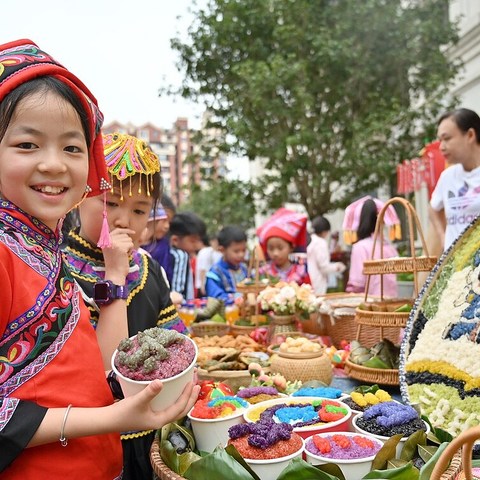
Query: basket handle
[(254, 263), (413, 222), (464, 441)]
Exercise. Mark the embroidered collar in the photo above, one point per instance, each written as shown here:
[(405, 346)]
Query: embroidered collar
[(16, 220)]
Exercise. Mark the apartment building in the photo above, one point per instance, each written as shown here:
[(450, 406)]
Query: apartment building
[(184, 160)]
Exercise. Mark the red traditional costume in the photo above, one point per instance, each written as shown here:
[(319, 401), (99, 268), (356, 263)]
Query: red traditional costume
[(49, 355)]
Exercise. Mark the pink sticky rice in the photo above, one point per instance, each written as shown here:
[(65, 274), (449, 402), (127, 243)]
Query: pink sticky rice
[(180, 356), (352, 452)]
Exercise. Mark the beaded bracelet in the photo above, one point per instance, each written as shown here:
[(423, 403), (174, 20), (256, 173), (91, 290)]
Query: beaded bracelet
[(62, 438)]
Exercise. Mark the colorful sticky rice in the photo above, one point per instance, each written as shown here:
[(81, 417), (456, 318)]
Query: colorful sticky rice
[(255, 395), (360, 402), (343, 447), (155, 353), (317, 412), (390, 418), (219, 407), (257, 441), (324, 392), (439, 368)]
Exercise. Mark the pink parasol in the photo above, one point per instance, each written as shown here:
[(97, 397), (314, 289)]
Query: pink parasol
[(351, 220)]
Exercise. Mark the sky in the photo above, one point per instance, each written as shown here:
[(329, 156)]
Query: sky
[(120, 49)]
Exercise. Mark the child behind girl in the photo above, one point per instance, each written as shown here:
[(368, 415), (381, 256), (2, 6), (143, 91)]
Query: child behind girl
[(57, 412), (223, 277), (129, 204), (279, 236)]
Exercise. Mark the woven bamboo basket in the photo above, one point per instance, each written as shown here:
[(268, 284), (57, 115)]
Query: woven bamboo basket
[(160, 469), (413, 264), (380, 321), (236, 330), (457, 456), (304, 369), (343, 326), (399, 265), (371, 375), (209, 329), (384, 318)]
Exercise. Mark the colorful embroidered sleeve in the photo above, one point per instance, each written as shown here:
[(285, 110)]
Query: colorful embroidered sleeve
[(19, 420)]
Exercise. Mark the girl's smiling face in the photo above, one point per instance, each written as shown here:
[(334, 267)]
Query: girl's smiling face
[(44, 158)]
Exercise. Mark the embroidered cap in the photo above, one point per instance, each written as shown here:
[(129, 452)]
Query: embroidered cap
[(286, 224), (22, 61), (126, 156)]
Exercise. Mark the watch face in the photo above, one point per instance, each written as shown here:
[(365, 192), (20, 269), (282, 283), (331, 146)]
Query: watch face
[(101, 291)]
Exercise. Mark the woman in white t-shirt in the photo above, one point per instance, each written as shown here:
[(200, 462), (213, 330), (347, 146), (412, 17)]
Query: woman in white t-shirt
[(455, 201)]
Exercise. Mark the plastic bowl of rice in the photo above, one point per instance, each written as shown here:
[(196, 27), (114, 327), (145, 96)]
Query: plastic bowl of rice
[(300, 410), (175, 370), (352, 452), (373, 427)]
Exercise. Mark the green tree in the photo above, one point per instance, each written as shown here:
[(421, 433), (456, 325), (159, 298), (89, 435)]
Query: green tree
[(331, 93), (223, 202)]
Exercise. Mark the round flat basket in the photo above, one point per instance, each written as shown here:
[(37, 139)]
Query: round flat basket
[(209, 329), (241, 329), (399, 265), (300, 355), (316, 368), (161, 470), (254, 288), (383, 314), (371, 375), (233, 378)]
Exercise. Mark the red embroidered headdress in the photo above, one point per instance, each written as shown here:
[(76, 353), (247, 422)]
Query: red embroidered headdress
[(21, 61), (286, 224)]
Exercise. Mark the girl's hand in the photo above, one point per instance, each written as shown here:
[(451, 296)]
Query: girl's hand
[(135, 413), (116, 257)]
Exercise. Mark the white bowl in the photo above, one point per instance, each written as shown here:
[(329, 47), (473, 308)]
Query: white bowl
[(381, 437), (211, 432), (352, 469), (271, 469), (304, 432), (172, 387)]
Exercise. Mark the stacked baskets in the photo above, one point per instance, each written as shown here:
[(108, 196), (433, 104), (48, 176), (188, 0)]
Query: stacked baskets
[(376, 321)]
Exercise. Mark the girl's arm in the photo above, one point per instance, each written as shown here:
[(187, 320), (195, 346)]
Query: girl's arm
[(112, 324), (133, 413)]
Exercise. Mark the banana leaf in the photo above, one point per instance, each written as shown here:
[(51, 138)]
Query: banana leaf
[(426, 470), (410, 448), (298, 469), (386, 453), (178, 463), (363, 389), (218, 464), (407, 472)]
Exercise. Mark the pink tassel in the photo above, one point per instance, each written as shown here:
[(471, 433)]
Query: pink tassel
[(105, 240)]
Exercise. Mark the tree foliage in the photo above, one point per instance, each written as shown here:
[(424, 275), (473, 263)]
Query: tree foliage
[(223, 202), (331, 93)]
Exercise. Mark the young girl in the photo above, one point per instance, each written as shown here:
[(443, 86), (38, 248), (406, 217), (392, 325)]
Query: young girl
[(56, 411), (362, 250), (135, 191), (278, 237)]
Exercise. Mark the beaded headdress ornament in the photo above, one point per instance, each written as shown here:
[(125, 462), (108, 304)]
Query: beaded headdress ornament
[(125, 157)]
